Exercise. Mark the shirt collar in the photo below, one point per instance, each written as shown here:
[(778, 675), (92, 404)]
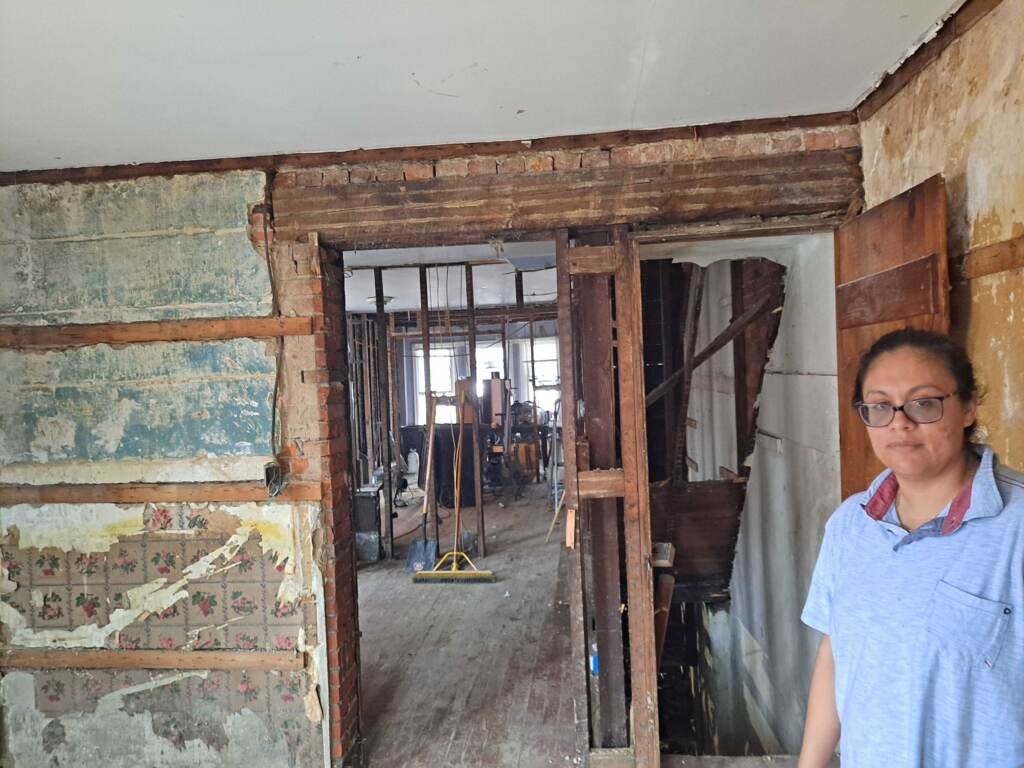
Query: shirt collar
[(980, 498)]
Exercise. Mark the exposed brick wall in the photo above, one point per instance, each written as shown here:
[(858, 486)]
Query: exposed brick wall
[(530, 161), (314, 417)]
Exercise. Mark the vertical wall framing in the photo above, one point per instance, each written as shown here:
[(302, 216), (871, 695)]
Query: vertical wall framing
[(621, 261), (636, 502)]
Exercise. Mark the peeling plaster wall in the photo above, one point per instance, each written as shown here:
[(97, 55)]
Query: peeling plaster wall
[(756, 655), (69, 408), (963, 117), (131, 250), (240, 576)]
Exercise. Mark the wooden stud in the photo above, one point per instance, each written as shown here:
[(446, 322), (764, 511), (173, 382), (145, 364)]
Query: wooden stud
[(662, 608), (199, 329), (991, 259), (741, 399), (533, 395), (567, 378), (602, 484), (384, 426), (636, 507), (690, 318), (358, 449), (666, 291), (478, 483), (33, 658), (396, 377), (424, 320), (593, 260), (142, 493), (369, 444), (567, 368), (734, 329)]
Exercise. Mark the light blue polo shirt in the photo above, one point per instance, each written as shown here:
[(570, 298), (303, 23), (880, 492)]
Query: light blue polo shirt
[(927, 628)]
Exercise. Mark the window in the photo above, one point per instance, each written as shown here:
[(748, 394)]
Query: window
[(444, 360), (545, 355)]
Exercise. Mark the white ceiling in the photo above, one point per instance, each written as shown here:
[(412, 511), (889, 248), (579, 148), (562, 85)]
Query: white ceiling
[(124, 81)]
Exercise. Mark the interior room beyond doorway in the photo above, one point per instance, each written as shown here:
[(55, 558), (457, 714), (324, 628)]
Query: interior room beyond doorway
[(454, 387)]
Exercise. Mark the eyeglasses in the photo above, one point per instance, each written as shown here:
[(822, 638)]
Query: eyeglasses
[(923, 410)]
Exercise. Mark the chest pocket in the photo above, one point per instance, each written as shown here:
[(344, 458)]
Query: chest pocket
[(966, 624)]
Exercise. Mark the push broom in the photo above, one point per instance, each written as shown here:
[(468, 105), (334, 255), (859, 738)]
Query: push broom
[(455, 567)]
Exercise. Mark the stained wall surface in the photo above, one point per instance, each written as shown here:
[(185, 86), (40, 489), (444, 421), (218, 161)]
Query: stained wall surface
[(962, 117), (175, 576)]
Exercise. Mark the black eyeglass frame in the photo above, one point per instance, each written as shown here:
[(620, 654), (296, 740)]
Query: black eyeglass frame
[(942, 410)]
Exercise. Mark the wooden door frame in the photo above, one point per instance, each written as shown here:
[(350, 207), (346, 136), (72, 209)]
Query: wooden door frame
[(621, 261), (827, 182)]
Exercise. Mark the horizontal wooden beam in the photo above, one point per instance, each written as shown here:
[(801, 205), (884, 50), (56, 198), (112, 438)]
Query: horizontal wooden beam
[(714, 591), (195, 329), (969, 14), (734, 329), (484, 316), (272, 163), (993, 258), (141, 493), (434, 211), (601, 484), (594, 260), (904, 291), (732, 229), (32, 658)]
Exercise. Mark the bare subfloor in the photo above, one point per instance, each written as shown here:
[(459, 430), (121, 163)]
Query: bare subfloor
[(471, 675)]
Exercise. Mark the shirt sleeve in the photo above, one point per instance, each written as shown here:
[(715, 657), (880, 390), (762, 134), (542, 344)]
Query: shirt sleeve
[(817, 612)]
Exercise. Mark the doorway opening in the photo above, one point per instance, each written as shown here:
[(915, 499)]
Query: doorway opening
[(458, 344), (743, 448)]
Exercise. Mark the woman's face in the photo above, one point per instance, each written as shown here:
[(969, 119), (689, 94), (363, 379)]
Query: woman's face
[(916, 450)]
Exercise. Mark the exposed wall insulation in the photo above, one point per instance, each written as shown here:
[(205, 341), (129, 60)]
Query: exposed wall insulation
[(962, 117)]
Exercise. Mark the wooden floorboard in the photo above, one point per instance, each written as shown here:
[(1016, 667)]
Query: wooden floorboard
[(472, 675)]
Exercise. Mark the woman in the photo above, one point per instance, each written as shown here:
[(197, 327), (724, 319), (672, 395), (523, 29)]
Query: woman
[(919, 585)]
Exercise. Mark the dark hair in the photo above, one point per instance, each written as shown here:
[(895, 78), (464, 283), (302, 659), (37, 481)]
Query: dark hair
[(938, 345)]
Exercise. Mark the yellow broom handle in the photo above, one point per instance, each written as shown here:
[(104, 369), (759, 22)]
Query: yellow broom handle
[(457, 472)]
